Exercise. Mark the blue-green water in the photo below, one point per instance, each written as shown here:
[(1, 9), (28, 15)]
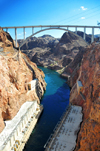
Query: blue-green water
[(55, 100)]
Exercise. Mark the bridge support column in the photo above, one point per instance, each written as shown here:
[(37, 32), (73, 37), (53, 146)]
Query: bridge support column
[(84, 33), (75, 30), (16, 36), (67, 28), (32, 30), (92, 38), (24, 32), (6, 29)]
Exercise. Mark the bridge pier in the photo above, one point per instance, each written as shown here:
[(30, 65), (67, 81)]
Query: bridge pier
[(16, 37), (84, 33), (92, 38), (75, 30), (24, 32), (32, 30), (6, 29)]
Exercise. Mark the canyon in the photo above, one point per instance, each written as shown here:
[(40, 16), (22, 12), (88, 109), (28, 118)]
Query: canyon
[(73, 58), (80, 62), (56, 54)]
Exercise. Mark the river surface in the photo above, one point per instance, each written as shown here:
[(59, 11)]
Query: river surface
[(54, 101)]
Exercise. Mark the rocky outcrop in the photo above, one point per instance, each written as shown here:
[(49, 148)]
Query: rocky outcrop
[(72, 68), (6, 41), (87, 36), (89, 74), (57, 55), (43, 42), (16, 71)]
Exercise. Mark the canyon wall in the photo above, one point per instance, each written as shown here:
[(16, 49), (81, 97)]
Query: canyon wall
[(16, 71), (89, 74), (56, 54)]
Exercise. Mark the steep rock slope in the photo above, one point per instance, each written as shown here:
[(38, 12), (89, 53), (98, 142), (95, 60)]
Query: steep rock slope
[(45, 41), (16, 71), (87, 36), (89, 75), (60, 54)]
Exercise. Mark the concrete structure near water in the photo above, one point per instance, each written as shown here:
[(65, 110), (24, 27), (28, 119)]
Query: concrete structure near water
[(65, 133), (32, 84), (17, 131)]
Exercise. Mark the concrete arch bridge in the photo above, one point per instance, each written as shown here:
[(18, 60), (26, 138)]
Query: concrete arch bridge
[(50, 27)]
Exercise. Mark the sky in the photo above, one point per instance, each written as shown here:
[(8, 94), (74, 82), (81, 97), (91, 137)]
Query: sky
[(48, 12)]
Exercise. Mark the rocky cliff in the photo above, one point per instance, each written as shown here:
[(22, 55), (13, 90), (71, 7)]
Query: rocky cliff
[(56, 55), (43, 42), (89, 74), (16, 71)]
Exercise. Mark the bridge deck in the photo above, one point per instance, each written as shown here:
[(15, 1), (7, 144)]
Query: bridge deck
[(39, 26)]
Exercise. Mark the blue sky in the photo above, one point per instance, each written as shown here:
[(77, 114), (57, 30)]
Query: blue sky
[(49, 12)]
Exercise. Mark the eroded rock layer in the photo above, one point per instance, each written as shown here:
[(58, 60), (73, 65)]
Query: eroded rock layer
[(89, 99), (16, 71)]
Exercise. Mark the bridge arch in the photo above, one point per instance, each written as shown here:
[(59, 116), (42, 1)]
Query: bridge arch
[(59, 28)]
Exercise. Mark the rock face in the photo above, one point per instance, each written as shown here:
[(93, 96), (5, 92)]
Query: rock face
[(6, 41), (56, 55), (45, 41), (74, 65), (87, 36), (89, 74), (16, 71)]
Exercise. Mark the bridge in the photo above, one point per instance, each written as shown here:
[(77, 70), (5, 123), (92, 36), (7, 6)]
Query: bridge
[(50, 27)]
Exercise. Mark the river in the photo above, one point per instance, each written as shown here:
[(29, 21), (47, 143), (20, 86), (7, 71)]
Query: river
[(54, 101)]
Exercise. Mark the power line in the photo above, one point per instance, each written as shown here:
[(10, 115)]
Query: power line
[(68, 18), (91, 15), (80, 16)]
